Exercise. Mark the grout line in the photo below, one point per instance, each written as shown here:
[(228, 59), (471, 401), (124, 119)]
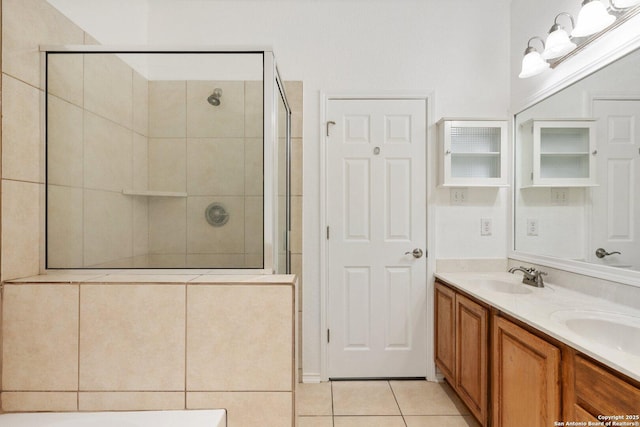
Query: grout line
[(396, 399), (333, 422)]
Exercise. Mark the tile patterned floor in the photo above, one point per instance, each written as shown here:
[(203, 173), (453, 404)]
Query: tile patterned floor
[(380, 404)]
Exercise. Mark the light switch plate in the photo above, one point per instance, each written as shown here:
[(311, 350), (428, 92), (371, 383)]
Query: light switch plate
[(560, 196)]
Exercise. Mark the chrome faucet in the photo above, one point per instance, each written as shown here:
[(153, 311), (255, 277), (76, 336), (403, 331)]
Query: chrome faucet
[(531, 276)]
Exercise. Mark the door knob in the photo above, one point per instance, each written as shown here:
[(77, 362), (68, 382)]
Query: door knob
[(601, 253), (417, 253)]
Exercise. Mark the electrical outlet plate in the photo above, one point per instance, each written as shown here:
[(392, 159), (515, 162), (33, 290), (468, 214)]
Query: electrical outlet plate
[(532, 227), (458, 196), (559, 196), (485, 227)]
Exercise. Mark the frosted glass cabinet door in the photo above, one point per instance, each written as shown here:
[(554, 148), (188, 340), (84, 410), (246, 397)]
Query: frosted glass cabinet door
[(472, 153), (561, 153)]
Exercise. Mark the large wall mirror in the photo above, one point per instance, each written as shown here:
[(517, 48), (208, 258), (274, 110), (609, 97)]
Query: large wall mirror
[(577, 175)]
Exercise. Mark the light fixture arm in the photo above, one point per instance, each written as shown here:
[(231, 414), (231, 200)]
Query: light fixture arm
[(530, 48), (557, 26), (613, 6)]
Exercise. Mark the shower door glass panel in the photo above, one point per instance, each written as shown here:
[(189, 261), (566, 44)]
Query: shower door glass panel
[(283, 262), (155, 160)]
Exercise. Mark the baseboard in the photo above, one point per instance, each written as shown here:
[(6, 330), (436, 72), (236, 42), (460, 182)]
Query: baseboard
[(311, 378)]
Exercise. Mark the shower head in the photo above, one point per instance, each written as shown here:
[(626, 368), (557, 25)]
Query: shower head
[(214, 98)]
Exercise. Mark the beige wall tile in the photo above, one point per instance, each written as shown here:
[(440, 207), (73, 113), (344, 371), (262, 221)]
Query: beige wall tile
[(108, 88), (254, 167), (254, 225), (40, 354), (21, 142), (296, 224), (239, 338), (167, 164), (294, 93), (33, 401), (215, 261), (140, 162), (296, 268), (207, 121), (108, 150), (247, 409), (205, 238), (165, 261), (167, 109), (64, 143), (132, 337), (140, 226), (26, 25), (108, 227), (65, 74), (65, 227), (167, 225), (140, 104), (253, 112), (254, 261), (20, 229), (296, 167), (130, 401), (215, 166)]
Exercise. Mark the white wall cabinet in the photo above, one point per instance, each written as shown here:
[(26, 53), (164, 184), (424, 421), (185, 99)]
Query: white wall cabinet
[(558, 153), (473, 153)]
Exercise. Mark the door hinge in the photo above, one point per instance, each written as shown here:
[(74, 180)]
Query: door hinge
[(328, 335), (327, 232)]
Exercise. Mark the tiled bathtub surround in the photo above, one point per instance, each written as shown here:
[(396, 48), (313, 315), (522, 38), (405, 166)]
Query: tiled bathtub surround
[(163, 342)]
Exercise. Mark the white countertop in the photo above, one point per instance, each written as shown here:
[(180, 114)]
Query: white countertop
[(537, 307)]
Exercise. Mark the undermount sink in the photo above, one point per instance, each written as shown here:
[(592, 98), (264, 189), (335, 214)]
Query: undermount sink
[(616, 331), (503, 287)]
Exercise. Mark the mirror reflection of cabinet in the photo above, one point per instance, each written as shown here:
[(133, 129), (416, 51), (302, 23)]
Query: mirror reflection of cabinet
[(558, 153), (472, 153)]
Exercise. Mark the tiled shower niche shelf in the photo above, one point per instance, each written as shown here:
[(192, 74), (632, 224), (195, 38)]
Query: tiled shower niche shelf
[(153, 193), (472, 153)]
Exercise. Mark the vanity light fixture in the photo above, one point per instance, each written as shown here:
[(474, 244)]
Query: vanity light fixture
[(624, 4), (533, 63), (592, 18), (558, 41)]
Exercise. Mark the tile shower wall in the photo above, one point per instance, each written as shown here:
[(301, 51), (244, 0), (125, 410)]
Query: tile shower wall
[(97, 148), (214, 154)]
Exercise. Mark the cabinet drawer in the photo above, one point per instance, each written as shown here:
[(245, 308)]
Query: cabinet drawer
[(601, 393)]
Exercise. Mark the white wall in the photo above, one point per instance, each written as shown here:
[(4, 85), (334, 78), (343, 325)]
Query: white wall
[(458, 50)]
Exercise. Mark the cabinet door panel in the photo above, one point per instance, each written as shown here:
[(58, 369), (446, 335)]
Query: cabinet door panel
[(471, 357), (445, 330), (525, 378), (603, 392)]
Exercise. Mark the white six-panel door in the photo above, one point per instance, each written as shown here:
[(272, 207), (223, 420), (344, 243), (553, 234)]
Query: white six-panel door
[(616, 215), (376, 214)]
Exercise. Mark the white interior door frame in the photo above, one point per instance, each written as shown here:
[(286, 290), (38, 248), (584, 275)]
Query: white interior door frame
[(325, 98)]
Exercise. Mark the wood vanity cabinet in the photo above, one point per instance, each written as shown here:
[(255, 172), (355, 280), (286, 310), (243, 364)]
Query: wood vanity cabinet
[(461, 347), (591, 390), (525, 377)]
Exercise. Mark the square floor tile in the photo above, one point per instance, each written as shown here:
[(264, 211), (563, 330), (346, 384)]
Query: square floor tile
[(440, 421), (314, 399), (364, 398), (427, 398), (368, 421), (315, 421)]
